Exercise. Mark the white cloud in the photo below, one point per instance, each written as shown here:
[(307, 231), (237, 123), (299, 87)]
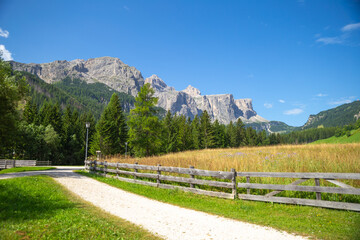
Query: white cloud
[(294, 111), (4, 33), (321, 95), (344, 38), (351, 27), (281, 101), (268, 105), (5, 54), (330, 40)]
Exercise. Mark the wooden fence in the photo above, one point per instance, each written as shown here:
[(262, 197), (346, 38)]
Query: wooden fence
[(9, 163), (223, 180)]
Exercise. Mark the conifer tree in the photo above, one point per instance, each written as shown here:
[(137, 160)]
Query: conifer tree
[(30, 114), (170, 134), (240, 133), (231, 135), (144, 125), (219, 135), (112, 129), (195, 132), (206, 131)]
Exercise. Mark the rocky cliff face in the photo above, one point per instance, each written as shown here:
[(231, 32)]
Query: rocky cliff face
[(190, 102), (123, 78), (110, 71)]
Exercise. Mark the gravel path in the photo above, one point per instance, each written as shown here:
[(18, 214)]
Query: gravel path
[(165, 220)]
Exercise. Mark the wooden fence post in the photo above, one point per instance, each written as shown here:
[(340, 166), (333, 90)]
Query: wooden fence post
[(95, 162), (135, 170), (158, 176), (14, 163), (117, 170), (5, 164), (105, 168), (318, 194), (248, 181), (192, 176), (233, 180)]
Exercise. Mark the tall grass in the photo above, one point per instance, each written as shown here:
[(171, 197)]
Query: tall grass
[(285, 158), (333, 158)]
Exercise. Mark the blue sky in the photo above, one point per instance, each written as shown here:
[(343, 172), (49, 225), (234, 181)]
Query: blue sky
[(293, 58)]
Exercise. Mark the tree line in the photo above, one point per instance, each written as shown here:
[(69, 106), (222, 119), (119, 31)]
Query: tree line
[(147, 135)]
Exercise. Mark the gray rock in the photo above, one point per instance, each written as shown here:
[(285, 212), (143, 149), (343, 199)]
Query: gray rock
[(110, 71), (190, 102), (123, 78)]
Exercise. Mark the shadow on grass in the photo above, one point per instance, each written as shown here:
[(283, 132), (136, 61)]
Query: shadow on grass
[(30, 198)]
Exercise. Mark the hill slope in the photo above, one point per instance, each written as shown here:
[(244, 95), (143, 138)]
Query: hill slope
[(353, 138), (339, 116)]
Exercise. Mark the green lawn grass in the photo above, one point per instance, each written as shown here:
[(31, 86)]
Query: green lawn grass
[(39, 208), (308, 221), (353, 138), (24, 169)]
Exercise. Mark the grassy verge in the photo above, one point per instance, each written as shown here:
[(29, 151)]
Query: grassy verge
[(353, 138), (24, 169), (39, 208), (302, 220)]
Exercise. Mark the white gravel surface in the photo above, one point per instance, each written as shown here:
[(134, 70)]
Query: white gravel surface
[(165, 220)]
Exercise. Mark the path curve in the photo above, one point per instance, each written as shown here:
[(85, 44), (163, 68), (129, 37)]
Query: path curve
[(166, 220)]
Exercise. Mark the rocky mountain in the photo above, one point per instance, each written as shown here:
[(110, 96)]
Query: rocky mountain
[(123, 78), (110, 71), (190, 102)]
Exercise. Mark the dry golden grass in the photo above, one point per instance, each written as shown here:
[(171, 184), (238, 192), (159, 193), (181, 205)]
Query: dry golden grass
[(284, 158)]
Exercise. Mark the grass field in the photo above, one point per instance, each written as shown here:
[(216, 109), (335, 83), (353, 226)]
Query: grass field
[(309, 221), (332, 158), (39, 208), (24, 169), (284, 158), (353, 138)]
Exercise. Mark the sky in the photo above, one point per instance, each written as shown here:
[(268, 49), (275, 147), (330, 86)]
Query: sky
[(293, 58)]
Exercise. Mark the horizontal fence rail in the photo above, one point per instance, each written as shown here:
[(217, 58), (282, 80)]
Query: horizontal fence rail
[(223, 180), (9, 163)]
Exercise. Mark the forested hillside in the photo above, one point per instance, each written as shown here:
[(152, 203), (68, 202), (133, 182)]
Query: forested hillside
[(335, 117)]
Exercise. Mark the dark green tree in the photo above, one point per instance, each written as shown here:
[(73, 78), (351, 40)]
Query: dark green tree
[(195, 132), (206, 131), (112, 129), (13, 88), (144, 125)]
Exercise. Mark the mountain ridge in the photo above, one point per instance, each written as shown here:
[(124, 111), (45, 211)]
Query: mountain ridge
[(123, 78)]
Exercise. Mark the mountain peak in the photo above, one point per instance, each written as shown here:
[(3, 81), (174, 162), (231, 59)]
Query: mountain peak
[(194, 92), (157, 83)]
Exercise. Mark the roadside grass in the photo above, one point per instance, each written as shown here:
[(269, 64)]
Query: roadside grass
[(39, 208), (24, 169), (302, 220)]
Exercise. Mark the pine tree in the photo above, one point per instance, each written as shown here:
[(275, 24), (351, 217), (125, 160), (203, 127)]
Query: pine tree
[(206, 131), (240, 133), (219, 135), (195, 132), (30, 114), (170, 140), (144, 132), (231, 135), (112, 129)]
